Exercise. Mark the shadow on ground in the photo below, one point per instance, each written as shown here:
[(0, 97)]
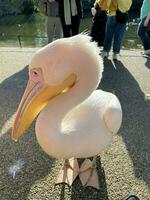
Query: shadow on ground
[(25, 157), (136, 114)]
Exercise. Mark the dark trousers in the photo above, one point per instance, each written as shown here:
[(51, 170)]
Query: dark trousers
[(144, 35), (73, 29), (114, 31)]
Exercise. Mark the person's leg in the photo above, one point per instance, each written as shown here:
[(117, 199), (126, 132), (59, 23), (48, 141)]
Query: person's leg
[(143, 35), (98, 28), (58, 28), (109, 32), (120, 30), (66, 28), (50, 28), (102, 24), (94, 30), (75, 25)]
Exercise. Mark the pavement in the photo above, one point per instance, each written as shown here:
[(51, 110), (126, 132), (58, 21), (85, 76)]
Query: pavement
[(27, 173)]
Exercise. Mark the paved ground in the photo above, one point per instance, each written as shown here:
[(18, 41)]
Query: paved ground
[(27, 173)]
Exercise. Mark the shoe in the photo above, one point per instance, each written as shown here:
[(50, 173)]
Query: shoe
[(131, 197), (147, 52), (104, 54), (115, 56)]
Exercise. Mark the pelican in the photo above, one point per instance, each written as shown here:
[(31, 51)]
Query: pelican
[(74, 119)]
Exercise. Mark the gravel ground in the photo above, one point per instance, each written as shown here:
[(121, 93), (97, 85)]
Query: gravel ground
[(27, 173)]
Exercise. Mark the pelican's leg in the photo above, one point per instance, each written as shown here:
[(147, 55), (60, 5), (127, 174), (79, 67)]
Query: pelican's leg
[(88, 174), (69, 172)]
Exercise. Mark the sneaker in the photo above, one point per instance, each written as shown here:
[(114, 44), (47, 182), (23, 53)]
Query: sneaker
[(147, 52), (115, 56), (104, 54)]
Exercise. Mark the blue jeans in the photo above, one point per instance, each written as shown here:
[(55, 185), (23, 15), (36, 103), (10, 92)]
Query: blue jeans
[(116, 31), (143, 35)]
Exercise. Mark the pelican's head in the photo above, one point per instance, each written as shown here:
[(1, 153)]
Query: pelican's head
[(53, 70)]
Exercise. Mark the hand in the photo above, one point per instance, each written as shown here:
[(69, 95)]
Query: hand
[(93, 11), (146, 22)]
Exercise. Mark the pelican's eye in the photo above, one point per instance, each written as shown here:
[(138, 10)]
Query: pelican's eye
[(35, 75)]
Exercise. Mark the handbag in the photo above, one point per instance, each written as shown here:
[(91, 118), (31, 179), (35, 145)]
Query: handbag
[(121, 17)]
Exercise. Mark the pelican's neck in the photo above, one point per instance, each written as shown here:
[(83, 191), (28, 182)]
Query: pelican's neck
[(65, 102)]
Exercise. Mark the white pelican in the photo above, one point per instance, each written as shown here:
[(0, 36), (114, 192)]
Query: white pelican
[(75, 120)]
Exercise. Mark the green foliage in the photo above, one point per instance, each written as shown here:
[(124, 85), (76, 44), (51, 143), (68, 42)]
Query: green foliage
[(18, 7), (36, 5), (27, 7)]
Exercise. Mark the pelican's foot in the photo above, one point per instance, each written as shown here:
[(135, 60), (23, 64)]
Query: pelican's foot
[(87, 173), (69, 172)]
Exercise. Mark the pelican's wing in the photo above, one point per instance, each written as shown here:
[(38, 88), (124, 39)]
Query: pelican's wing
[(113, 114)]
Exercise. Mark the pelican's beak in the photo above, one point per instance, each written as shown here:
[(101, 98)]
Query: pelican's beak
[(35, 98)]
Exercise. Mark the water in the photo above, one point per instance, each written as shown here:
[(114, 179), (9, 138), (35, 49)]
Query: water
[(29, 31)]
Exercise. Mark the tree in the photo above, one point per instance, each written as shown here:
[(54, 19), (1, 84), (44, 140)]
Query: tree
[(9, 7)]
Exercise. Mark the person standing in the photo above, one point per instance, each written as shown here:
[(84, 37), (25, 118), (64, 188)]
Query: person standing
[(142, 28), (116, 24), (70, 12), (99, 24), (53, 24)]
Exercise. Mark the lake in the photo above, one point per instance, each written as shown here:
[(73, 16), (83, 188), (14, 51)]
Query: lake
[(29, 31)]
